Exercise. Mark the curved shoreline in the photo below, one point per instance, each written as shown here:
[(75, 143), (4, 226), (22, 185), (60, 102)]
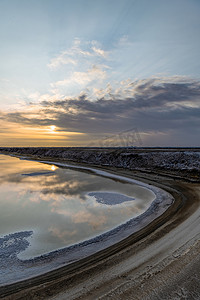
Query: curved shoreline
[(54, 259), (97, 257)]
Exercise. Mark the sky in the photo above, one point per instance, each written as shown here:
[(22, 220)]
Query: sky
[(100, 73)]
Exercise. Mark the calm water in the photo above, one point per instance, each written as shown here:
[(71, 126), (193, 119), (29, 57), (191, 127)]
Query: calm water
[(62, 206)]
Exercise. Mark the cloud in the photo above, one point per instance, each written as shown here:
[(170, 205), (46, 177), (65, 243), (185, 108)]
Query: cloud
[(86, 66), (100, 52), (162, 106), (83, 78), (90, 50), (62, 234), (61, 59)]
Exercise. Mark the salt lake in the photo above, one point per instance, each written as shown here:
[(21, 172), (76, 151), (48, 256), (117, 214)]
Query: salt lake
[(62, 206)]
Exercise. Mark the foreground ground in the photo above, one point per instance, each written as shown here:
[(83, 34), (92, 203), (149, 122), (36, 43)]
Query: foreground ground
[(161, 262)]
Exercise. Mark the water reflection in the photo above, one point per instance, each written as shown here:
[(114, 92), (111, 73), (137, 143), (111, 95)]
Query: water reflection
[(55, 203)]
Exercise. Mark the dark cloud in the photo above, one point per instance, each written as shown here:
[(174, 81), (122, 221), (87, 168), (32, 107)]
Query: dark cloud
[(155, 106)]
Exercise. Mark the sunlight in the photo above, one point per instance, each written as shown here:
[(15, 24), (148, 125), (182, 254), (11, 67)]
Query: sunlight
[(53, 168), (52, 128)]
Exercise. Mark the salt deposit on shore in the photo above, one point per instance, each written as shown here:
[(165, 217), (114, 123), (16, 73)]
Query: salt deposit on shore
[(109, 198)]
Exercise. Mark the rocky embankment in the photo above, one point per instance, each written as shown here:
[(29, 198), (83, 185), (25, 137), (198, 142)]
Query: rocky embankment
[(177, 162)]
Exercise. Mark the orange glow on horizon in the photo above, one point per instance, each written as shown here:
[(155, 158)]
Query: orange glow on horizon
[(12, 135)]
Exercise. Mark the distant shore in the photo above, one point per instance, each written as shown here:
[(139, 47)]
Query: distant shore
[(179, 162)]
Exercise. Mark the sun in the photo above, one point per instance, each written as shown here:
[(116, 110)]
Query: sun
[(52, 127), (53, 168)]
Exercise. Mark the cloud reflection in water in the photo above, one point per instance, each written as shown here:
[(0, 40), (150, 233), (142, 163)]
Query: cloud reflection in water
[(56, 206)]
